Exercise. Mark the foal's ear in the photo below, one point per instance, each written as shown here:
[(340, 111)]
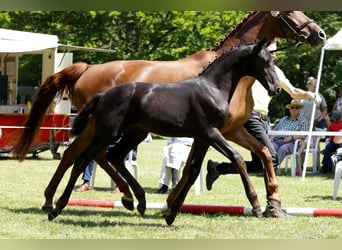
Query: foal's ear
[(260, 45)]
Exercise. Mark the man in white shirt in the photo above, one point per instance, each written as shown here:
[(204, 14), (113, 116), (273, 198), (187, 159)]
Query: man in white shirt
[(258, 126)]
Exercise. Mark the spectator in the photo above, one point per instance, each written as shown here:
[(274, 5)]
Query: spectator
[(338, 103), (175, 155), (321, 120), (295, 121), (331, 146), (86, 177)]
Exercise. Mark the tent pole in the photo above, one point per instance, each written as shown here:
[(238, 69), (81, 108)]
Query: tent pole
[(312, 115)]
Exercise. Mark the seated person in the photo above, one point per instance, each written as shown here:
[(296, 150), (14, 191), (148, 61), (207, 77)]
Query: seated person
[(175, 155), (331, 146), (295, 121)]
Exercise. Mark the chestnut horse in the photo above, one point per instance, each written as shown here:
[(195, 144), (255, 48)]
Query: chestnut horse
[(200, 107), (82, 81)]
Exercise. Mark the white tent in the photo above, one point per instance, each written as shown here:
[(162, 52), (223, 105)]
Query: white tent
[(13, 41), (333, 43)]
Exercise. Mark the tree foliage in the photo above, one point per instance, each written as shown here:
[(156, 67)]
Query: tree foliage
[(171, 35)]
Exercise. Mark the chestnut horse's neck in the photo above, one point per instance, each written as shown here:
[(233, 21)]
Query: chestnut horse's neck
[(256, 26)]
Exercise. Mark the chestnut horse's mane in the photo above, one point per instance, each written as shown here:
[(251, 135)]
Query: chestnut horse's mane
[(234, 29)]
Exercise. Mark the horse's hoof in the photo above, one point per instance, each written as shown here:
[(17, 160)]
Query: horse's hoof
[(273, 209), (169, 219), (47, 208), (257, 212), (275, 212), (141, 208), (127, 203), (51, 216)]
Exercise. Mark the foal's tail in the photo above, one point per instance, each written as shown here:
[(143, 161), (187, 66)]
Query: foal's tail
[(83, 116), (54, 85)]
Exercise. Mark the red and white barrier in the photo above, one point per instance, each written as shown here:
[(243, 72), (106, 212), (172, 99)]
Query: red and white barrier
[(211, 209)]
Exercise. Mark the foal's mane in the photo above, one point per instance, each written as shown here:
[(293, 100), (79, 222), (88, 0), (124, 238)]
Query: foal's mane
[(218, 58), (231, 32)]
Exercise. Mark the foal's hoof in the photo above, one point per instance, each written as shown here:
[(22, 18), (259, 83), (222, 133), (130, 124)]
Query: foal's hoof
[(141, 208), (127, 203), (47, 208), (51, 216), (169, 219)]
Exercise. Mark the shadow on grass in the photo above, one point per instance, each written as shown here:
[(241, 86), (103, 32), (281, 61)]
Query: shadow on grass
[(148, 190), (83, 217)]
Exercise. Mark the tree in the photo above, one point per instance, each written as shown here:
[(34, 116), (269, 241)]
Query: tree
[(171, 35), (151, 35)]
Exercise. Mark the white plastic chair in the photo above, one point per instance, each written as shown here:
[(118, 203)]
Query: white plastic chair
[(338, 174), (314, 150)]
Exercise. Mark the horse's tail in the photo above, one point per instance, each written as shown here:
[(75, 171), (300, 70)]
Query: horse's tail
[(83, 116), (54, 85)]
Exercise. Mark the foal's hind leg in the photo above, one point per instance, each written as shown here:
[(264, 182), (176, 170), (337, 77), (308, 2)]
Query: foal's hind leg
[(127, 199), (67, 160), (79, 166), (115, 155), (189, 175), (69, 157)]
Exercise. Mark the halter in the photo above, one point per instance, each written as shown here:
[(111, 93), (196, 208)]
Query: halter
[(299, 37)]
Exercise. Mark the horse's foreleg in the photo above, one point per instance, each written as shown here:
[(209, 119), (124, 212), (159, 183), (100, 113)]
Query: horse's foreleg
[(66, 161), (221, 145), (79, 166), (189, 175), (127, 199), (75, 148), (271, 183)]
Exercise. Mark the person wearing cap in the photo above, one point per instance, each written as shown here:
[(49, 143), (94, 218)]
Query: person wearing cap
[(258, 125), (334, 143), (295, 121), (321, 117)]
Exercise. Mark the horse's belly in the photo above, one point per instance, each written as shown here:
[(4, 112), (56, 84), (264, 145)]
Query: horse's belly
[(234, 122)]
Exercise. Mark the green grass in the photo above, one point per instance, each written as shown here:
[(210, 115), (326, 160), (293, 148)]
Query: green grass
[(23, 184)]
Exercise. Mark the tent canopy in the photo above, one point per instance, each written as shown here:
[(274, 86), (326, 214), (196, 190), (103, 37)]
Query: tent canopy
[(12, 41), (335, 42)]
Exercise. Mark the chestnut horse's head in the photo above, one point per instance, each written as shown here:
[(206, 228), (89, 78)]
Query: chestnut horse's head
[(298, 26)]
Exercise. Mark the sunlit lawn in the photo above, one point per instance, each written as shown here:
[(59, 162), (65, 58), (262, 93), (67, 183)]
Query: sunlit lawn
[(23, 184)]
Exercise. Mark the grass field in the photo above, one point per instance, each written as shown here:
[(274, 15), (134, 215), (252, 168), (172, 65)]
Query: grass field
[(23, 184)]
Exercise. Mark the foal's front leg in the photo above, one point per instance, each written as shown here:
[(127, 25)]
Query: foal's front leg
[(221, 145), (189, 175)]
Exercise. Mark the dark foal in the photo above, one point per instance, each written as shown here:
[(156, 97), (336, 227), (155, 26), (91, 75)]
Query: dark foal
[(202, 107)]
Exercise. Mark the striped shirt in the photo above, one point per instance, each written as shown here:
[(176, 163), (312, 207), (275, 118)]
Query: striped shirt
[(287, 124)]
